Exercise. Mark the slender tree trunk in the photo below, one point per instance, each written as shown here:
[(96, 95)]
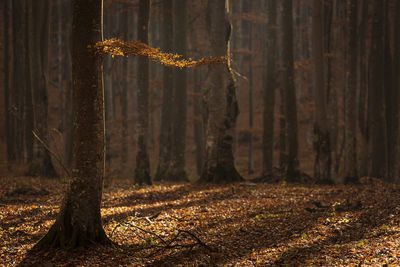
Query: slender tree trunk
[(176, 171), (198, 122), (282, 130), (250, 164), (124, 93), (68, 86), (221, 103), (8, 59), (164, 158), (350, 153), (61, 108), (142, 170), (38, 50), (363, 103), (396, 88), (322, 165), (269, 87), (292, 171), (18, 82), (28, 108), (78, 222), (376, 97), (391, 95)]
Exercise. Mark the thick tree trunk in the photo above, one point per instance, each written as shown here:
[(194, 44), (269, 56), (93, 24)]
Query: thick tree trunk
[(350, 153), (269, 87), (376, 96), (78, 222), (142, 170), (221, 103), (176, 171), (38, 50), (164, 158), (322, 165), (292, 167)]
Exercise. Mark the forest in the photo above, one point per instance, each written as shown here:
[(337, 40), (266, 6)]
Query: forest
[(200, 133)]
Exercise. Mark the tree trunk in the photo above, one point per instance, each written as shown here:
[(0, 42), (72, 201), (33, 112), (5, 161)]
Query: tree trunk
[(176, 171), (78, 222), (322, 165), (124, 92), (391, 94), (292, 168), (38, 50), (165, 148), (396, 87), (350, 153), (269, 87), (376, 97), (198, 122), (18, 83), (8, 59), (221, 103), (142, 170), (362, 103), (28, 108)]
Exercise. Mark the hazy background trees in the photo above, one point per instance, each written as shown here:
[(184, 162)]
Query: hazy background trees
[(317, 86)]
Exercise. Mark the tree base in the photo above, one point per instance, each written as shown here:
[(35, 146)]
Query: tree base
[(220, 174), (66, 234)]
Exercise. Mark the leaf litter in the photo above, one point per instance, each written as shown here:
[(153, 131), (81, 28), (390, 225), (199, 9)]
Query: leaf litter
[(241, 224)]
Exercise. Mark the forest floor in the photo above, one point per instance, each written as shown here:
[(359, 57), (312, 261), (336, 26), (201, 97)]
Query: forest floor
[(242, 224)]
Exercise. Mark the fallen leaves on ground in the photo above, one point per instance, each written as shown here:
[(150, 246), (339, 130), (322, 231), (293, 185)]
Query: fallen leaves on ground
[(241, 224)]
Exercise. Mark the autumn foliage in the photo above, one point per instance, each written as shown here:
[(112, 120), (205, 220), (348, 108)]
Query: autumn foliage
[(116, 47)]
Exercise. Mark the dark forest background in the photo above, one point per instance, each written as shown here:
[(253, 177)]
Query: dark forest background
[(317, 84)]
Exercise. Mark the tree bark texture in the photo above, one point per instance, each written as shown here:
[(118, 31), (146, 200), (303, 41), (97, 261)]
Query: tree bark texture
[(165, 147), (350, 153), (322, 164), (269, 87), (176, 171), (142, 169), (221, 103), (39, 24), (292, 164), (376, 96), (7, 81), (78, 222)]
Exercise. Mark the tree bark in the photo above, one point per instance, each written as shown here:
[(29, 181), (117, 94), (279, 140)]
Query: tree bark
[(198, 122), (38, 51), (142, 170), (176, 171), (269, 87), (322, 164), (376, 97), (78, 222), (164, 158), (292, 166), (124, 92), (221, 103), (8, 59), (396, 87), (350, 156)]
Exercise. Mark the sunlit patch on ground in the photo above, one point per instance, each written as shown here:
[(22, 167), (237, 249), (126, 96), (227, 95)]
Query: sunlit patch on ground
[(240, 224)]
